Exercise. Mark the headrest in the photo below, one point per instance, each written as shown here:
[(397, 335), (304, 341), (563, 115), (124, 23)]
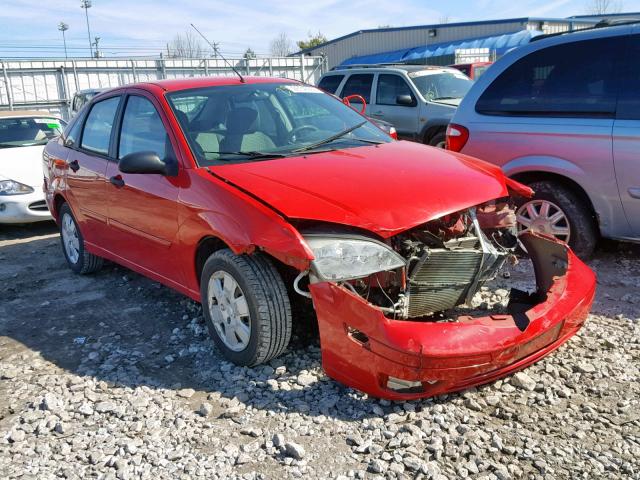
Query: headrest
[(241, 120)]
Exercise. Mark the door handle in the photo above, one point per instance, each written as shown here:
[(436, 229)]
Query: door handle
[(117, 181), (75, 166)]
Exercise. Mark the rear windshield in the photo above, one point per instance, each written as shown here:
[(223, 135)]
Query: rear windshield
[(27, 131)]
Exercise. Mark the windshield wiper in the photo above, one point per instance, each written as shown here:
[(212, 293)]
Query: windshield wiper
[(251, 155), (8, 145), (446, 98), (330, 139), (373, 142)]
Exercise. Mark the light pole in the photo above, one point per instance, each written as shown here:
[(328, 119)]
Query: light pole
[(86, 4), (63, 27)]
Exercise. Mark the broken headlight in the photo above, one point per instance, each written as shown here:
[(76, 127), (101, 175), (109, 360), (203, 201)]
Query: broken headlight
[(343, 258)]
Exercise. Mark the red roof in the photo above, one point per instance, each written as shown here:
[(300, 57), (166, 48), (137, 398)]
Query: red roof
[(199, 82)]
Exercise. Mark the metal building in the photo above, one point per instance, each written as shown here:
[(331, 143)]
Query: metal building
[(427, 42)]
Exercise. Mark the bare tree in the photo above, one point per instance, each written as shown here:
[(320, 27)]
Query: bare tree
[(602, 7), (186, 45), (281, 46)]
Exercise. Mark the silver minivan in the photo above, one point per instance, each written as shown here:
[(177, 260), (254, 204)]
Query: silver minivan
[(417, 100), (562, 115)]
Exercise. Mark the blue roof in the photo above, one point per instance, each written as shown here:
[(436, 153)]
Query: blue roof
[(522, 20), (498, 43)]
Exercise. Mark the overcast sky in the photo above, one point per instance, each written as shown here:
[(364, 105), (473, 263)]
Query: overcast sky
[(29, 27)]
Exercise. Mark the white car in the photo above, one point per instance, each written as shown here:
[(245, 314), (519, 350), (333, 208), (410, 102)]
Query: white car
[(23, 136)]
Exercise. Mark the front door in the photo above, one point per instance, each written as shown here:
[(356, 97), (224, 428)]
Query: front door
[(86, 169), (626, 137), (143, 210), (391, 104)]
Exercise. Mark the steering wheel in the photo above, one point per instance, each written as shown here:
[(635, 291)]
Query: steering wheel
[(311, 128)]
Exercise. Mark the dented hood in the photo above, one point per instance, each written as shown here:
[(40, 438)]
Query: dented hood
[(385, 189)]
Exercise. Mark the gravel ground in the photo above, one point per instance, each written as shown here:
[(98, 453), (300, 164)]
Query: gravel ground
[(113, 376)]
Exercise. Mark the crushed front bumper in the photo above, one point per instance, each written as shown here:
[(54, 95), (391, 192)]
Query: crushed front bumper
[(380, 356)]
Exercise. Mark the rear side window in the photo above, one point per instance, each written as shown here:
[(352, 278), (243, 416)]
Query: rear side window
[(330, 83), (629, 102), (97, 129), (390, 87), (572, 79), (142, 130), (359, 84)]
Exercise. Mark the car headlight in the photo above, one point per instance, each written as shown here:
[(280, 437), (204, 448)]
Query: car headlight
[(11, 187), (343, 258)]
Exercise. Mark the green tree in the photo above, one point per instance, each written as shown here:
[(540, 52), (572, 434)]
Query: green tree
[(313, 41)]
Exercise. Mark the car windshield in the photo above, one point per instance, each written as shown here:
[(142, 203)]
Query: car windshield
[(28, 131), (441, 85), (250, 122)]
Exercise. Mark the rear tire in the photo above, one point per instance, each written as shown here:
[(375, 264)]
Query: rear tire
[(246, 307), (439, 140), (581, 223), (79, 260)]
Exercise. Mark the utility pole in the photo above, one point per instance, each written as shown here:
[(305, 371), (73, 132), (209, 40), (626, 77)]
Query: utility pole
[(97, 52), (215, 50), (86, 4), (63, 27)]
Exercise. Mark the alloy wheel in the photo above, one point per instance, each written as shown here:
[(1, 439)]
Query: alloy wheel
[(229, 311), (70, 238), (543, 216)]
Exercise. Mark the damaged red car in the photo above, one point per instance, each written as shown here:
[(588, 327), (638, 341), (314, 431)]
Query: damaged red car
[(256, 195)]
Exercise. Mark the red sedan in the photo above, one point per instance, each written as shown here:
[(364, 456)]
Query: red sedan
[(250, 195)]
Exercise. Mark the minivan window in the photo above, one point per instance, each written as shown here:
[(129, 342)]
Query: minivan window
[(389, 88), (142, 130), (572, 79), (97, 129), (629, 101), (358, 84), (330, 83)]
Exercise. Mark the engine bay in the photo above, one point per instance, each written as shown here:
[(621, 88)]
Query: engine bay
[(448, 260)]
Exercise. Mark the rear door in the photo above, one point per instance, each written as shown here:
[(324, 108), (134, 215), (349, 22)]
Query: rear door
[(87, 165), (404, 117), (143, 210), (626, 136), (330, 83)]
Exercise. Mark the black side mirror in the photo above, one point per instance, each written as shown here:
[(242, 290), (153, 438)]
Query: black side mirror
[(146, 162), (405, 100)]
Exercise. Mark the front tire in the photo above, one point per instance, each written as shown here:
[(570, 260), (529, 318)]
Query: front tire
[(556, 210), (79, 260), (246, 307)]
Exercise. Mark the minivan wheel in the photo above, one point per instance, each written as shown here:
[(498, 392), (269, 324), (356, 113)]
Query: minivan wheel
[(246, 307), (79, 260), (439, 140), (556, 210)]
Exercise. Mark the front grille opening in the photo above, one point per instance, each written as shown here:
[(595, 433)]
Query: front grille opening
[(39, 206)]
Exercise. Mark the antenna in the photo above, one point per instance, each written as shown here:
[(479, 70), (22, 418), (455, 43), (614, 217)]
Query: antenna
[(216, 51)]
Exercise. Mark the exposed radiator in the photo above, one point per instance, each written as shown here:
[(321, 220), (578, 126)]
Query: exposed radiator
[(441, 280)]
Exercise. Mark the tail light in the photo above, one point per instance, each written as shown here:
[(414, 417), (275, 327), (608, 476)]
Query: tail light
[(393, 133), (457, 137)]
